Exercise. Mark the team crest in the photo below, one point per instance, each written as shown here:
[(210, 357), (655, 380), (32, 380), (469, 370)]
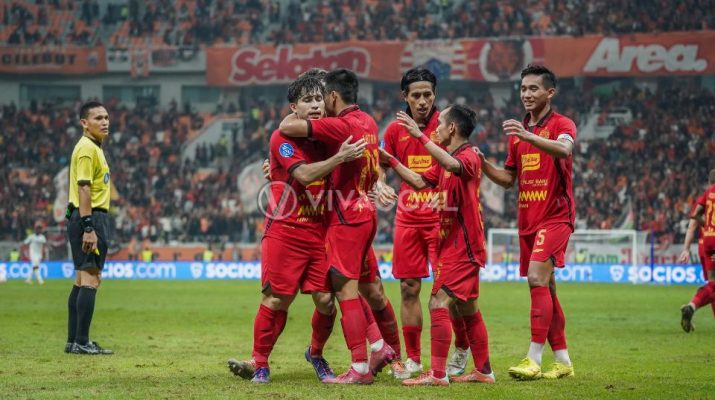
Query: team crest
[(106, 178), (286, 150), (545, 133)]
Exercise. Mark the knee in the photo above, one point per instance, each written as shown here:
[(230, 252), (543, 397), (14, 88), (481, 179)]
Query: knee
[(276, 302), (438, 302), (324, 302), (537, 280), (410, 290)]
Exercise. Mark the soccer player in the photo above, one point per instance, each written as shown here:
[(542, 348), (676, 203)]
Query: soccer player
[(416, 222), (461, 247), (704, 214), (88, 225), (351, 224), (36, 241), (539, 156), (293, 245)]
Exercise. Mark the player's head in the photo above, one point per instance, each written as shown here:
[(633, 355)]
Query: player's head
[(94, 119), (538, 86), (317, 73), (418, 88), (456, 124), (711, 176), (305, 96), (341, 86), (38, 227)]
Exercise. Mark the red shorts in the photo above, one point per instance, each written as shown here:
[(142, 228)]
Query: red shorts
[(459, 279), (349, 248), (370, 273), (705, 251), (287, 266), (548, 242), (413, 248)]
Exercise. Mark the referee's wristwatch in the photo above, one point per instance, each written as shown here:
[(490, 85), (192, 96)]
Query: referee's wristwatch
[(88, 229)]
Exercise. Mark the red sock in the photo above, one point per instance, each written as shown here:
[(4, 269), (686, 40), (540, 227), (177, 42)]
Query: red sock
[(354, 328), (413, 347), (266, 328), (557, 330), (441, 338), (542, 309), (373, 331), (322, 328), (704, 295), (387, 322), (478, 341), (460, 332)]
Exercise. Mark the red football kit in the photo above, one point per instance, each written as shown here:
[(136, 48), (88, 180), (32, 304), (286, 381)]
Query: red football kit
[(707, 201), (352, 218), (416, 223), (461, 246), (546, 208), (293, 245)]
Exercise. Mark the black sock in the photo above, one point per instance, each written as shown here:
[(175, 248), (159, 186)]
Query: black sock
[(85, 310), (72, 314)]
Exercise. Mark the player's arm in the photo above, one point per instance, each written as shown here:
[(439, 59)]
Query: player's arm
[(294, 126), (307, 173), (410, 177), (504, 177), (693, 225), (443, 158), (559, 148), (84, 183)]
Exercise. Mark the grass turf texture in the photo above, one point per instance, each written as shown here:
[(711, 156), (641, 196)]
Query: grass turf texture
[(172, 339)]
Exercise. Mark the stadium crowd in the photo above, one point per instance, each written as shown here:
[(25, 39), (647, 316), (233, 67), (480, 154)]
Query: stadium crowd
[(162, 197), (208, 22)]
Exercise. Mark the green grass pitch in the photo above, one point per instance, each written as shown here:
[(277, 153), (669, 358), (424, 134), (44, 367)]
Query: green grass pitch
[(172, 340)]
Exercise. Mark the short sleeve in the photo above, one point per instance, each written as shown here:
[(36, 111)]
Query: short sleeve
[(567, 129), (331, 130), (700, 201), (431, 176), (42, 238), (470, 162), (287, 152), (84, 169), (27, 240), (510, 163), (389, 138)]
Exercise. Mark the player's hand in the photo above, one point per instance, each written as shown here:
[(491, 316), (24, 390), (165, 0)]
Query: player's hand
[(89, 242), (385, 157), (479, 152), (266, 169), (383, 195), (408, 123), (513, 127), (684, 257), (351, 151)]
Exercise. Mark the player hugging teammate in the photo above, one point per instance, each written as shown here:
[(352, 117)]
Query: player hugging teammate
[(325, 159)]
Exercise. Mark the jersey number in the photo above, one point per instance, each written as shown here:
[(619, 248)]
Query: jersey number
[(369, 171)]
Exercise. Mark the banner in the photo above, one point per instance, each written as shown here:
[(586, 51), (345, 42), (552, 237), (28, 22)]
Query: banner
[(491, 60), (52, 60), (251, 270), (143, 61)]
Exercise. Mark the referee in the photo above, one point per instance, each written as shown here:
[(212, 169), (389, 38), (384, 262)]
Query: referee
[(87, 227)]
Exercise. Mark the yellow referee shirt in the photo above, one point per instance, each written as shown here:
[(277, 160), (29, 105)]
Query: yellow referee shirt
[(89, 165)]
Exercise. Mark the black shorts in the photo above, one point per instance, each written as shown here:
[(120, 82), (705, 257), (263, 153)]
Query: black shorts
[(82, 260)]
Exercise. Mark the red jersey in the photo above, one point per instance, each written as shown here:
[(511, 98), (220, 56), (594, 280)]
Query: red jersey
[(349, 182), (294, 209), (461, 230), (545, 188), (413, 205), (707, 200)]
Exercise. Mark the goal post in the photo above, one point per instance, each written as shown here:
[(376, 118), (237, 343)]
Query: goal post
[(587, 246)]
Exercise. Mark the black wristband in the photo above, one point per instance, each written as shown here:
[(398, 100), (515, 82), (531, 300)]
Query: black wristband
[(87, 222)]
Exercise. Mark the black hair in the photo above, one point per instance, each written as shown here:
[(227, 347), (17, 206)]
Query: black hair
[(417, 74), (711, 176), (84, 110), (343, 81), (317, 73), (303, 86), (464, 118), (547, 77)]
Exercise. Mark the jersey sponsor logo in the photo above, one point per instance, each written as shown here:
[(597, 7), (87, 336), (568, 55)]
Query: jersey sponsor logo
[(311, 211), (106, 178), (421, 197), (286, 150), (612, 57), (530, 162), (319, 182), (419, 163), (533, 195)]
